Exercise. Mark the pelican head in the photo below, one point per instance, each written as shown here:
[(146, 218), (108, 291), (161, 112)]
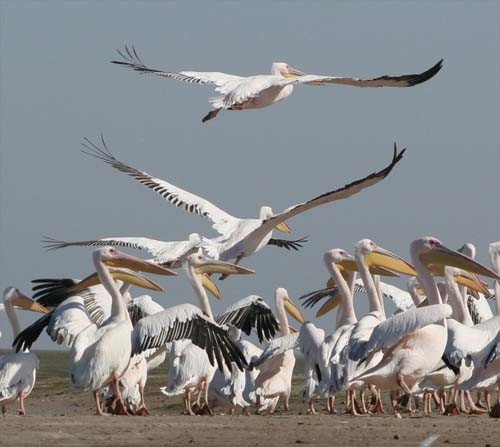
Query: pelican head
[(115, 258), (431, 251), (373, 255), (202, 264), (266, 212), (339, 257), (285, 70), (288, 304), (14, 297)]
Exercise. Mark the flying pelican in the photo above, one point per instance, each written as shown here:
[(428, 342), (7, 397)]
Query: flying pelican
[(17, 369), (413, 342), (255, 92), (167, 253), (239, 237)]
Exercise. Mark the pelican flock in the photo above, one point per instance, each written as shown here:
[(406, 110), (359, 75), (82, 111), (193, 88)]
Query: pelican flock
[(442, 343)]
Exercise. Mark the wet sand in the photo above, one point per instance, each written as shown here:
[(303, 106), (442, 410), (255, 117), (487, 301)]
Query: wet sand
[(58, 415)]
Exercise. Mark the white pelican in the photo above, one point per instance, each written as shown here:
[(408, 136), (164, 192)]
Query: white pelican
[(167, 253), (239, 237), (255, 92), (17, 369), (414, 341), (275, 374)]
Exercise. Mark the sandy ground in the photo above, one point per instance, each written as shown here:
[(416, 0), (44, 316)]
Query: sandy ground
[(59, 415)]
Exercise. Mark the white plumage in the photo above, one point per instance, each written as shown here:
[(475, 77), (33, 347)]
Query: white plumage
[(252, 92)]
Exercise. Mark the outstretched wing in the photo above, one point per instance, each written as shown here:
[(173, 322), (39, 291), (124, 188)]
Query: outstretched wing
[(163, 252), (250, 312), (382, 81), (132, 60), (401, 299), (187, 322), (331, 196), (288, 244), (222, 221)]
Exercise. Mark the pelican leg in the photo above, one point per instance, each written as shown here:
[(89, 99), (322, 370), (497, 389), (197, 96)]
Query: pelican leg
[(21, 411), (98, 405), (4, 410), (363, 403), (142, 410), (310, 407), (394, 403), (416, 401), (210, 115), (487, 396), (355, 410), (206, 407), (473, 408), (436, 398), (286, 403), (426, 403), (187, 402), (331, 404), (379, 409), (120, 406)]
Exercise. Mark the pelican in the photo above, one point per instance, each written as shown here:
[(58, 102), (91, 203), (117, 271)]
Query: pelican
[(239, 237), (255, 92), (167, 253), (275, 374), (413, 342), (17, 369)]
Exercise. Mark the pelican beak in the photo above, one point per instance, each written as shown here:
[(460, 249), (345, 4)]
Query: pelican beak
[(122, 274), (442, 255), (293, 72), (135, 279), (330, 304), (209, 285), (142, 265), (283, 227), (350, 265), (292, 310), (23, 302), (381, 257), (224, 268), (472, 282)]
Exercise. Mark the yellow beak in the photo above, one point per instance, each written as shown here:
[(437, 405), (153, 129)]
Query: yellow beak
[(283, 227), (224, 268), (122, 274), (472, 282), (142, 265), (388, 260), (329, 305), (442, 255), (292, 310), (23, 302), (350, 264), (209, 285)]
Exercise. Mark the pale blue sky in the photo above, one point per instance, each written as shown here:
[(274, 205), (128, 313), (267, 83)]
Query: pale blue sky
[(57, 86)]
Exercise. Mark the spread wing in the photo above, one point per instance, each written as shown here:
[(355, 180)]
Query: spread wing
[(288, 244), (338, 194), (382, 81), (250, 312), (222, 222), (220, 80), (182, 322), (163, 252)]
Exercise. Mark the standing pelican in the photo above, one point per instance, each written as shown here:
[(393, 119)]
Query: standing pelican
[(255, 92), (239, 237), (413, 342), (17, 369), (275, 376)]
